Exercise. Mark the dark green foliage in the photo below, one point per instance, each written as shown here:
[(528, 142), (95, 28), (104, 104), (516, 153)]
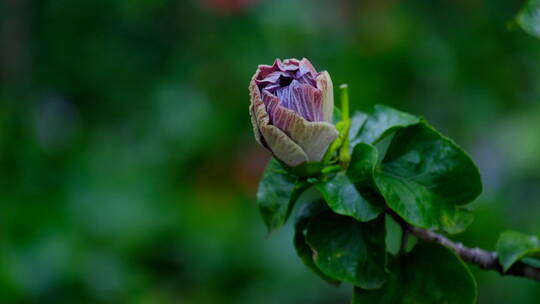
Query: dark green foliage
[(514, 246), (357, 121), (344, 198), (305, 214), (363, 162), (348, 250), (428, 274), (382, 122), (424, 177), (419, 175), (278, 191)]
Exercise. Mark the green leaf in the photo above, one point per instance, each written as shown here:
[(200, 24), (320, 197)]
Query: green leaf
[(343, 197), (357, 121), (309, 211), (363, 161), (534, 262), (361, 171), (382, 122), (529, 17), (393, 235), (348, 250), (425, 176), (513, 246), (429, 274), (277, 193), (303, 250)]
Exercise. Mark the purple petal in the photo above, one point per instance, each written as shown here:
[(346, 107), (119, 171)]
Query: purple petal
[(305, 67), (291, 84), (264, 70), (303, 99), (274, 78), (288, 64)]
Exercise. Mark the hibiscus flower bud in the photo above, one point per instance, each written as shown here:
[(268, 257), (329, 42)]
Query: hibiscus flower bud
[(291, 111)]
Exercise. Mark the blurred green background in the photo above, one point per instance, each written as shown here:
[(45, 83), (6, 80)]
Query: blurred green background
[(128, 164)]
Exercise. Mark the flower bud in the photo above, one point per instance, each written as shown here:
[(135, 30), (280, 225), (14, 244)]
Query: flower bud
[(291, 110)]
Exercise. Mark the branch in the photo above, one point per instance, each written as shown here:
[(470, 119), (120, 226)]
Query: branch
[(482, 258)]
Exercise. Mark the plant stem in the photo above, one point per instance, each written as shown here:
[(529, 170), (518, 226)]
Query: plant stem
[(478, 256), (344, 155), (331, 169)]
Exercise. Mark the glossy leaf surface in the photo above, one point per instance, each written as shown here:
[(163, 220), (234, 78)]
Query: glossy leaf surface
[(513, 246), (305, 214), (277, 193), (344, 198), (425, 176), (429, 274), (382, 122), (348, 250)]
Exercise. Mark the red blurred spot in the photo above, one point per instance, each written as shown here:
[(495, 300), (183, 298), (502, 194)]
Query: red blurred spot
[(221, 178), (249, 167), (228, 6)]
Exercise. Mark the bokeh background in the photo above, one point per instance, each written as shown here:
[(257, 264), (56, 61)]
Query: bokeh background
[(128, 166)]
